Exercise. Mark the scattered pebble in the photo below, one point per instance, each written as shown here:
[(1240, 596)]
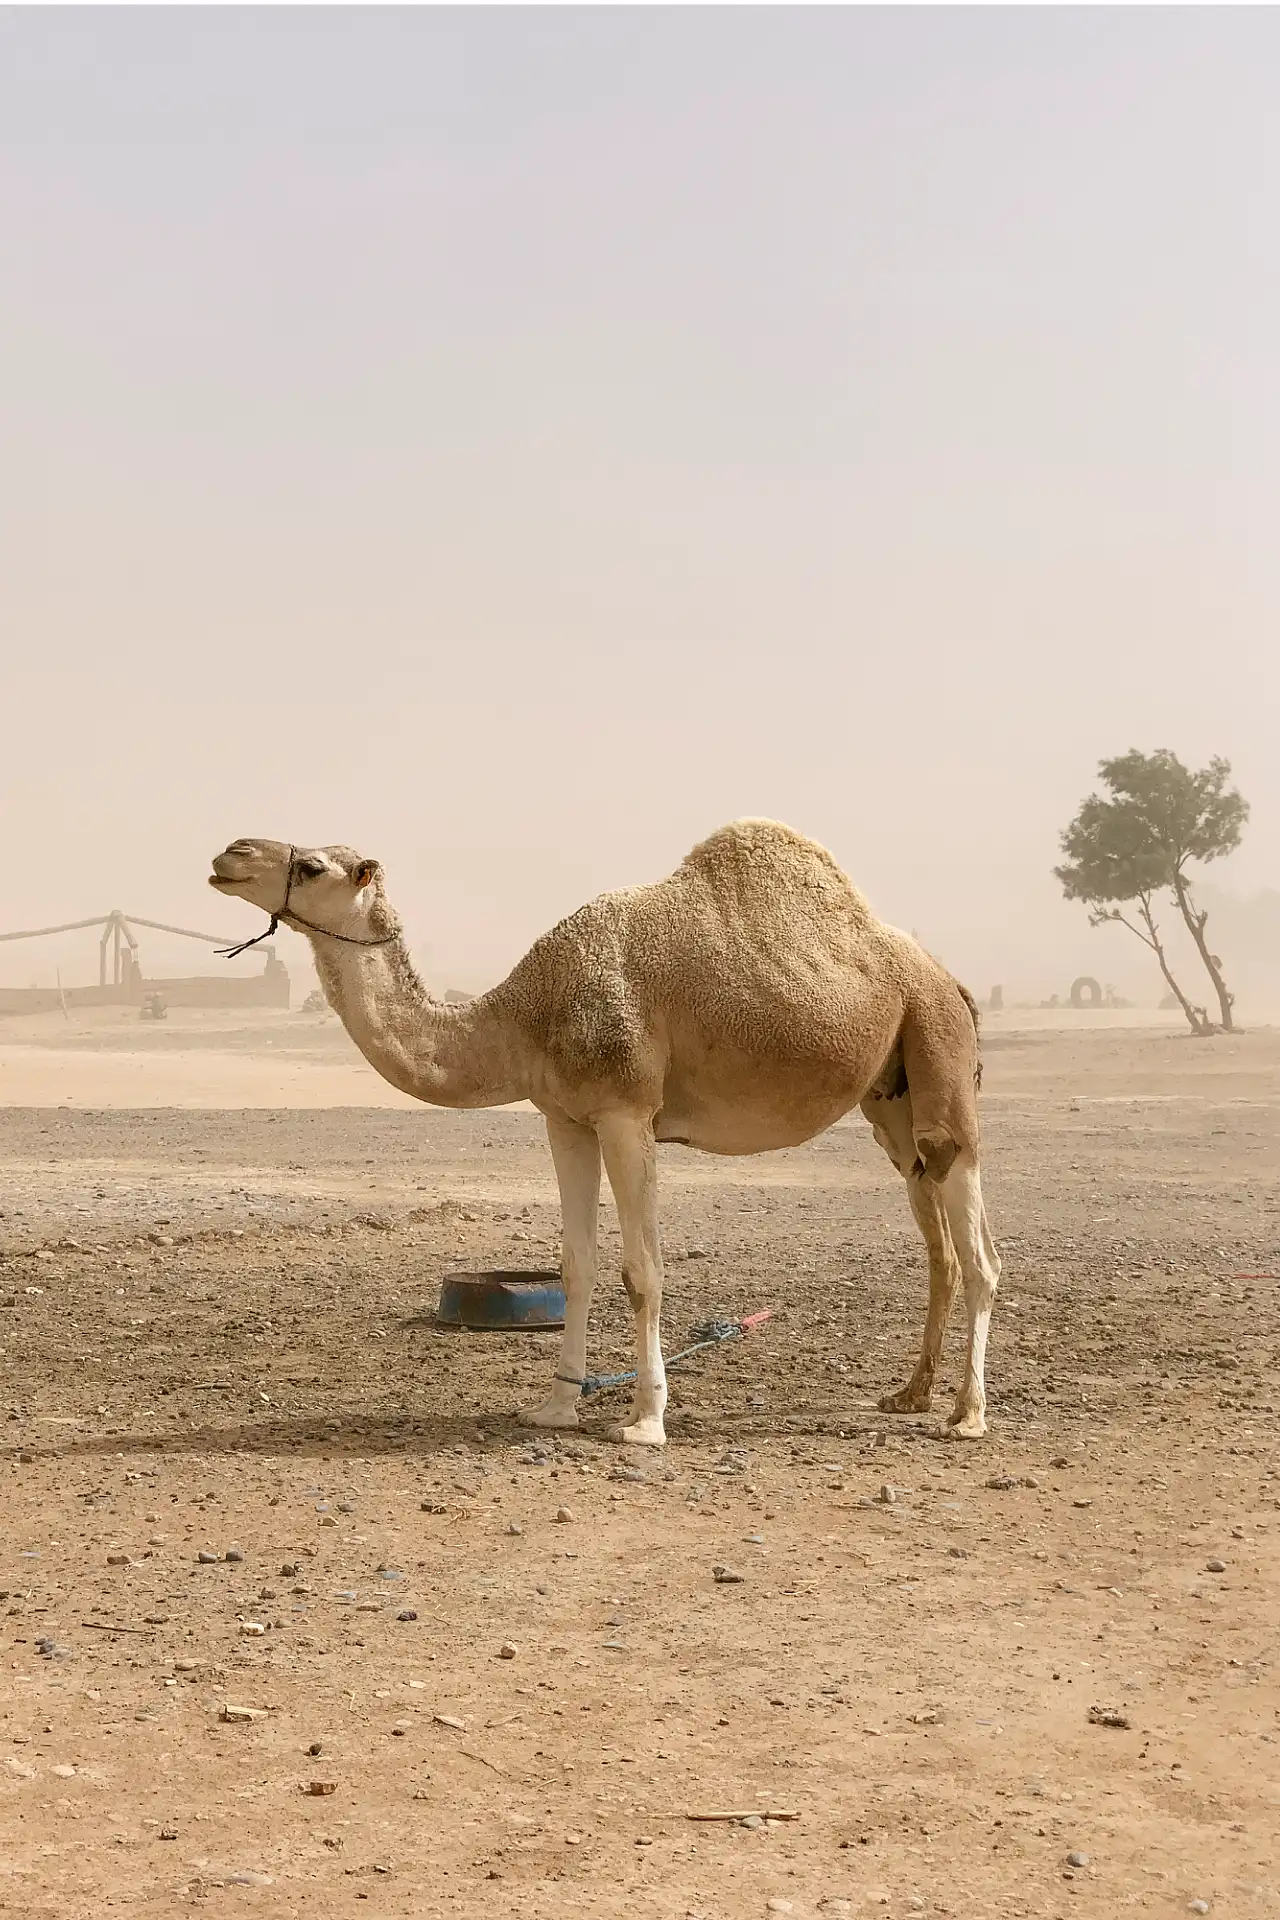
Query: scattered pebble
[(1215, 1566), (207, 1559), (564, 1515), (887, 1495), (320, 1787), (727, 1577), (1198, 1906), (508, 1650), (406, 1613), (233, 1554), (1077, 1859)]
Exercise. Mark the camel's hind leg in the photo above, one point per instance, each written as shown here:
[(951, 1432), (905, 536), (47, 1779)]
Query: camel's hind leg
[(891, 1123), (980, 1266), (944, 1275)]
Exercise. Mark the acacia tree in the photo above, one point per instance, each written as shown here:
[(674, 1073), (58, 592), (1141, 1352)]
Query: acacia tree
[(1159, 817)]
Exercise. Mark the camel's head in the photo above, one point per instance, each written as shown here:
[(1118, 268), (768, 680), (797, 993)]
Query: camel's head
[(328, 889)]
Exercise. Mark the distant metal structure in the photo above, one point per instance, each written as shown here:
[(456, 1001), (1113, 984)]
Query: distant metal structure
[(126, 982)]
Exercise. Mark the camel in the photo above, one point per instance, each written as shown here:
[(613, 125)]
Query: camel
[(742, 1004)]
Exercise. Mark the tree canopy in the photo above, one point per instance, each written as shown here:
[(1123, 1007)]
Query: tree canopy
[(1126, 845)]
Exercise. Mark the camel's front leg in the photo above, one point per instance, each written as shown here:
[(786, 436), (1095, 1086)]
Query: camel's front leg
[(631, 1158), (576, 1153)]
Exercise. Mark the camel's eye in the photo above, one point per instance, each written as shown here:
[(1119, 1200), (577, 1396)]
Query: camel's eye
[(309, 868)]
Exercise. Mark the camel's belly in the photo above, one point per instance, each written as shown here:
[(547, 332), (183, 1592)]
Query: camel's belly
[(746, 1128)]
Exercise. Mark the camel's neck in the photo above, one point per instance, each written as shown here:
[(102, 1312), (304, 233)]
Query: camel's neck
[(463, 1056)]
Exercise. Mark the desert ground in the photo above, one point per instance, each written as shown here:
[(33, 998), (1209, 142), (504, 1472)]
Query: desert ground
[(298, 1618)]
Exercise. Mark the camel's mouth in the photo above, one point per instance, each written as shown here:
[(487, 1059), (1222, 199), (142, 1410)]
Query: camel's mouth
[(227, 871)]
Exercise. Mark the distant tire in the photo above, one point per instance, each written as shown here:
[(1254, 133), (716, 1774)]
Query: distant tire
[(1085, 992)]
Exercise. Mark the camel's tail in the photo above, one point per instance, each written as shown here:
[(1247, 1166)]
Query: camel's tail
[(975, 1015)]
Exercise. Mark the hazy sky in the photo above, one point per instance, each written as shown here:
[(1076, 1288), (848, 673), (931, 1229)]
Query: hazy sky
[(515, 442)]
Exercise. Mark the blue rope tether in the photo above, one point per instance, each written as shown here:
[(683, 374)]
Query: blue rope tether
[(708, 1335)]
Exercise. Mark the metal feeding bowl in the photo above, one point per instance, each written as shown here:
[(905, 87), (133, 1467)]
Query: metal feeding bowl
[(502, 1302)]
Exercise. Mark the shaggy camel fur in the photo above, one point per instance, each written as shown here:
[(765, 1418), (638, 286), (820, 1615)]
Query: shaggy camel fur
[(744, 1003)]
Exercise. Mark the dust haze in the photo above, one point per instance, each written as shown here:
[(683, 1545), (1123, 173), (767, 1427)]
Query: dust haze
[(512, 443), (515, 444)]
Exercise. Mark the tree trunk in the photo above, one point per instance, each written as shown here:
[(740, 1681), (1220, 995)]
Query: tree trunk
[(1197, 1018), (1195, 927)]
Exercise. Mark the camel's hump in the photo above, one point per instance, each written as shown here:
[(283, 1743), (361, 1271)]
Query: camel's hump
[(767, 852)]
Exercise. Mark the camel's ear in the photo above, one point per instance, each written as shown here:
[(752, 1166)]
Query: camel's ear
[(366, 873)]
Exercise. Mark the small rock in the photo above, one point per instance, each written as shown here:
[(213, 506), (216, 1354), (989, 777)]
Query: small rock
[(1001, 1482), (207, 1559), (508, 1650), (1215, 1566), (119, 1560), (448, 1720), (319, 1788), (564, 1515), (1198, 1906), (515, 1527), (235, 1716), (1082, 1503), (752, 1822), (779, 1906), (400, 1729), (233, 1554), (887, 1495), (1060, 1460), (1077, 1859), (26, 1459), (288, 1571), (252, 1628), (315, 1750), (727, 1577), (406, 1613)]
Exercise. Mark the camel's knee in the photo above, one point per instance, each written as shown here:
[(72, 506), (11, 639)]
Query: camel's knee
[(937, 1151), (644, 1288)]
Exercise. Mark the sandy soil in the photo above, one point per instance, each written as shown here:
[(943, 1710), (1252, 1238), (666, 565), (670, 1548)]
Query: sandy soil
[(217, 1339)]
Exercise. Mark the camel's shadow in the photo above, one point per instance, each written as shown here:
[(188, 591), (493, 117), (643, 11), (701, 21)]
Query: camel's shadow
[(344, 1435)]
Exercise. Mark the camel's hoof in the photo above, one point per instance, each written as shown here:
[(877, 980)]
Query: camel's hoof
[(644, 1433), (965, 1424), (906, 1400), (549, 1414)]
